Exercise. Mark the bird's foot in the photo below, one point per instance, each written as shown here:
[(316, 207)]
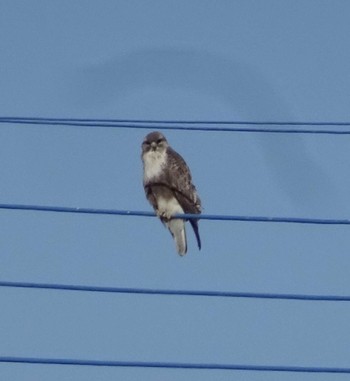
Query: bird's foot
[(163, 215)]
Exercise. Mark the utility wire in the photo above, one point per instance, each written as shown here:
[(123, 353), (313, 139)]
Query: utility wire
[(216, 217), (150, 291), (173, 365), (157, 121), (184, 125)]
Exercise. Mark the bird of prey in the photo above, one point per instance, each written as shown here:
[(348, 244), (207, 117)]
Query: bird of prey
[(168, 186)]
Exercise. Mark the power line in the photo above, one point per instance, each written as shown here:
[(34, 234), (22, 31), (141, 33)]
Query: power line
[(184, 125), (215, 217), (150, 291), (173, 365), (179, 121)]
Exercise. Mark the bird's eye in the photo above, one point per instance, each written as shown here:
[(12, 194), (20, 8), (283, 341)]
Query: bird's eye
[(146, 143), (159, 140)]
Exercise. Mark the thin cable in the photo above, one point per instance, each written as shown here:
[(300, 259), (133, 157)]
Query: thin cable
[(153, 121), (143, 121), (150, 291), (182, 125), (173, 365), (216, 217)]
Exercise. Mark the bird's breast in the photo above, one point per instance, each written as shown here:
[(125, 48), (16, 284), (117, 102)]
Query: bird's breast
[(153, 163)]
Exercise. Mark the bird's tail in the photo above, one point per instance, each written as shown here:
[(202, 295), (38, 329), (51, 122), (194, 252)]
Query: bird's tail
[(178, 231), (194, 224)]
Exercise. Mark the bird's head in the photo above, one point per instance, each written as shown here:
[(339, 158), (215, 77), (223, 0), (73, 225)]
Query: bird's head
[(154, 142)]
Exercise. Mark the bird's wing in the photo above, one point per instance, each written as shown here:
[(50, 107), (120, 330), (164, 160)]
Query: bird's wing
[(178, 178), (150, 196)]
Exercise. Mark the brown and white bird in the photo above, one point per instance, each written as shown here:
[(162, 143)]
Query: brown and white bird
[(168, 186)]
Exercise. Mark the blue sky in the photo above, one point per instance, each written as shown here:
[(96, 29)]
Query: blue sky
[(193, 60)]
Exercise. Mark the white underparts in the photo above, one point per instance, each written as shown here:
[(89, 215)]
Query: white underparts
[(153, 164), (168, 206)]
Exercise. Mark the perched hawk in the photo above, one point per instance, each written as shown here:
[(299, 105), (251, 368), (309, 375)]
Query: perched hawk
[(168, 187)]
